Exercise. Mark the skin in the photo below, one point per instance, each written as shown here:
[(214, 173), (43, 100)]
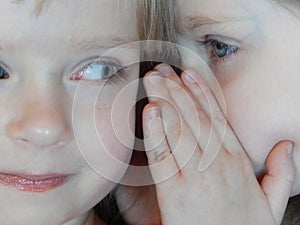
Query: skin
[(264, 79), (260, 88), (45, 121), (176, 151)]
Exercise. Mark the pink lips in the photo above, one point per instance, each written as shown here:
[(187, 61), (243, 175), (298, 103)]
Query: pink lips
[(33, 183)]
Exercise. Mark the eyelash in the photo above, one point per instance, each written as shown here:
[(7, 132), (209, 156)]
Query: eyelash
[(216, 59), (3, 73), (120, 75)]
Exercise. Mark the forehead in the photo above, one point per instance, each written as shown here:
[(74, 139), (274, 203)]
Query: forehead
[(220, 10), (67, 20)]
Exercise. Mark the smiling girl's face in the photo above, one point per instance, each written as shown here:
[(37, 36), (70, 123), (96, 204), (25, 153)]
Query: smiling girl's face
[(253, 49), (57, 89)]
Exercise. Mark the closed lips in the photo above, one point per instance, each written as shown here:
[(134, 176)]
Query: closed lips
[(33, 183)]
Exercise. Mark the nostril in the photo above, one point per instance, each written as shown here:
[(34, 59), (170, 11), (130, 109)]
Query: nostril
[(21, 141), (48, 133), (24, 140), (50, 136), (39, 138)]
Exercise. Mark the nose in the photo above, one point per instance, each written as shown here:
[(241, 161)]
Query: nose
[(41, 126)]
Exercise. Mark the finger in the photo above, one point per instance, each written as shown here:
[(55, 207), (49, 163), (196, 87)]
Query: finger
[(157, 92), (179, 137), (161, 161), (207, 101), (278, 182), (195, 117)]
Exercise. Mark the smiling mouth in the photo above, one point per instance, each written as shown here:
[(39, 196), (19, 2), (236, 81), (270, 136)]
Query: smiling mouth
[(33, 183)]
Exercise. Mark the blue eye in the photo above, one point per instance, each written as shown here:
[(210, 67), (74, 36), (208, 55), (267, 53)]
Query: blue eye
[(221, 49), (96, 71), (3, 73), (217, 49)]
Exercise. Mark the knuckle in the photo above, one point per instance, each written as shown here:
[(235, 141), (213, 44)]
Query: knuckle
[(154, 141), (201, 97), (201, 114), (160, 101), (218, 115), (245, 166), (174, 129), (202, 91), (173, 84), (155, 136), (160, 153)]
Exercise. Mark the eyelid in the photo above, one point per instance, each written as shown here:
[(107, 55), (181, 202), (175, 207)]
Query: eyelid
[(121, 74), (223, 39), (207, 46), (5, 67), (237, 30), (96, 59), (84, 64)]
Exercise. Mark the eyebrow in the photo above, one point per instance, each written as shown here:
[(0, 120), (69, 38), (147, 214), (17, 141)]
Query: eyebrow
[(78, 45), (98, 44), (240, 26), (191, 23)]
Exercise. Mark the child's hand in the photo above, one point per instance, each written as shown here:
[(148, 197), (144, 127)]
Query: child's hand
[(138, 205), (227, 192)]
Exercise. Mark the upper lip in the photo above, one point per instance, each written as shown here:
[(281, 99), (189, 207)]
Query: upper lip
[(36, 176)]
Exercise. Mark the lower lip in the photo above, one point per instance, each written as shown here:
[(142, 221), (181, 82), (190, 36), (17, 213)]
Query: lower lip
[(32, 183)]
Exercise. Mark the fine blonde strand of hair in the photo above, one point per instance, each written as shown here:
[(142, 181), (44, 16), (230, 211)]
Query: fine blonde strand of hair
[(38, 6)]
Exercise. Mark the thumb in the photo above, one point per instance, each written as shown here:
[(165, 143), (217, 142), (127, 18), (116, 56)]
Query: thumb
[(278, 181)]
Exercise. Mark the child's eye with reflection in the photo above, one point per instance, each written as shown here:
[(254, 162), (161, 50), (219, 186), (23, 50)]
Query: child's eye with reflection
[(218, 50), (99, 71), (3, 73), (95, 71), (221, 49)]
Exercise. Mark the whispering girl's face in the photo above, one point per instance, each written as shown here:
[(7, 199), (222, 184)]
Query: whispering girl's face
[(61, 111), (253, 49)]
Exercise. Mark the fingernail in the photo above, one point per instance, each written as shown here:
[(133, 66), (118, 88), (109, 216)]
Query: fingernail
[(289, 150), (188, 78), (154, 113), (164, 69), (155, 78)]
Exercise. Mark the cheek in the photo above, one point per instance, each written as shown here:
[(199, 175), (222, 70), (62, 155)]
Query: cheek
[(251, 126), (104, 132), (115, 122), (262, 100), (260, 114), (261, 118), (101, 148), (115, 131)]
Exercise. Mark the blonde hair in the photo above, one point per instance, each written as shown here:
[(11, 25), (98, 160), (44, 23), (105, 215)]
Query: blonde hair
[(38, 7), (291, 5), (153, 18), (156, 21), (295, 3)]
